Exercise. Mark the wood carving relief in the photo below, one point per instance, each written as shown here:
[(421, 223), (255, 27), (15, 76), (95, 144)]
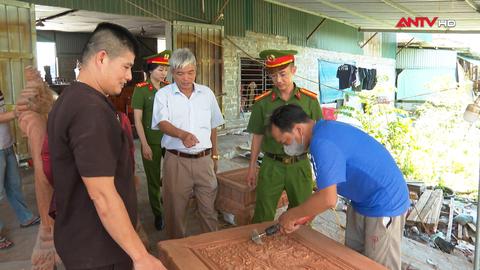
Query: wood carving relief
[(277, 252), (232, 249)]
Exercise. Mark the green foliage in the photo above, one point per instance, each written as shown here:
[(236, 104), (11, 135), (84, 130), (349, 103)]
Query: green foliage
[(431, 143), (391, 127)]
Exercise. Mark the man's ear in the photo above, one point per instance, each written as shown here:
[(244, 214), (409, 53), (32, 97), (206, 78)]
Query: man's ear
[(294, 69), (100, 57)]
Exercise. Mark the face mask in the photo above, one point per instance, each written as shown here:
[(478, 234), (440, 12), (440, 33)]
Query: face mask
[(295, 148)]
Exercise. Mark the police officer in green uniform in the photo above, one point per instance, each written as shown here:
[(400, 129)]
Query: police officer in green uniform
[(279, 171), (156, 68)]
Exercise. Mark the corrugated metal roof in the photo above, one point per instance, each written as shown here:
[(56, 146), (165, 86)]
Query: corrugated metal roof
[(383, 15), (426, 58), (239, 16)]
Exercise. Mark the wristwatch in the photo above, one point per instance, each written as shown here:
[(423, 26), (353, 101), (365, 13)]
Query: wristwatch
[(215, 157)]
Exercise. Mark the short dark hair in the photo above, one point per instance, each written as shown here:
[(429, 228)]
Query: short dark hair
[(150, 67), (112, 38), (284, 117)]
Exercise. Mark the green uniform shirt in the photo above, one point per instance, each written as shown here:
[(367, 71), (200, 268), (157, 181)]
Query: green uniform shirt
[(142, 99), (268, 102)]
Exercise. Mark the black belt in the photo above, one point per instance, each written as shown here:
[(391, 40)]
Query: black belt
[(185, 155), (287, 159)]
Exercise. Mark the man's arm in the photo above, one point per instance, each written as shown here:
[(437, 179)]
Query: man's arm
[(188, 139), (7, 117), (146, 150), (114, 217), (160, 120), (137, 116), (252, 166), (319, 202), (213, 139)]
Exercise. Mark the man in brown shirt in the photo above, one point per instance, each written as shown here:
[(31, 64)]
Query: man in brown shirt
[(92, 172)]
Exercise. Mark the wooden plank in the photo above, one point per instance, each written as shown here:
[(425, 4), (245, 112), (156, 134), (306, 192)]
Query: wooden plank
[(431, 211), (448, 238), (460, 231), (472, 227), (427, 210), (466, 235), (413, 216)]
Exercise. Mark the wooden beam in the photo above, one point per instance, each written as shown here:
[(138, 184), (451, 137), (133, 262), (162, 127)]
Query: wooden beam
[(406, 45), (220, 12), (474, 5), (366, 42), (321, 22), (448, 238), (466, 235), (472, 227)]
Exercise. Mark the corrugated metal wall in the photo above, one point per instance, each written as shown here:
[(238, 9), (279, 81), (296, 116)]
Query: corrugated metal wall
[(334, 36), (186, 10), (269, 18), (239, 16), (236, 17), (425, 58)]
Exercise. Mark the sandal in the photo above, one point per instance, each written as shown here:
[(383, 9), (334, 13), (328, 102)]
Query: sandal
[(5, 243), (33, 221)]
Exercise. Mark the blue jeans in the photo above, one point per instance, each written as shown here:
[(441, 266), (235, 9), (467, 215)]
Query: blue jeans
[(10, 184)]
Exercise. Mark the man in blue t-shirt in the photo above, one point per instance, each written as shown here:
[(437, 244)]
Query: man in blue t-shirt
[(348, 162)]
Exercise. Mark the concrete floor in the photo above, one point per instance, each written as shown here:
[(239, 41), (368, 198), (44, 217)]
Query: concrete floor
[(18, 257)]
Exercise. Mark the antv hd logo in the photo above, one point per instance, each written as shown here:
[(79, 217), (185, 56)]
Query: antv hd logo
[(422, 22)]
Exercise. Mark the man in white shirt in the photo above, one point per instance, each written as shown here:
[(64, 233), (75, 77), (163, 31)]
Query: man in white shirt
[(188, 115)]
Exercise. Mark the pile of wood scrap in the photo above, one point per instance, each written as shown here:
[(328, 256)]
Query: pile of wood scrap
[(441, 220), (426, 211)]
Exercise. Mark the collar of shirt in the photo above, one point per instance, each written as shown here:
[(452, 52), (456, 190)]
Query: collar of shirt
[(295, 93), (196, 89), (99, 95)]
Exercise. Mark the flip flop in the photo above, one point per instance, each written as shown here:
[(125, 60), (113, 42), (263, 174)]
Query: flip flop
[(33, 221), (5, 243)]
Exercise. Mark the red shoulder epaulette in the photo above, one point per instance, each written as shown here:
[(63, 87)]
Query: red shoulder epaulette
[(259, 97), (308, 93), (141, 84)]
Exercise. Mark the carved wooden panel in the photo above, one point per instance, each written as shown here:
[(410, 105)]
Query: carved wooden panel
[(233, 249)]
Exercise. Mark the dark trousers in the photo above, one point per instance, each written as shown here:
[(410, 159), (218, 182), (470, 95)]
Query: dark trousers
[(152, 171)]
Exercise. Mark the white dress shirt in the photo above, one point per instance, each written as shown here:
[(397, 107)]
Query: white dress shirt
[(198, 115)]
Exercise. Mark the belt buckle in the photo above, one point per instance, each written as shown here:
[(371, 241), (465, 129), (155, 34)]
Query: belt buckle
[(287, 160)]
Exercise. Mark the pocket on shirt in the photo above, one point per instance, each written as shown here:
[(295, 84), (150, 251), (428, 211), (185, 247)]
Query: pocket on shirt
[(204, 117)]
